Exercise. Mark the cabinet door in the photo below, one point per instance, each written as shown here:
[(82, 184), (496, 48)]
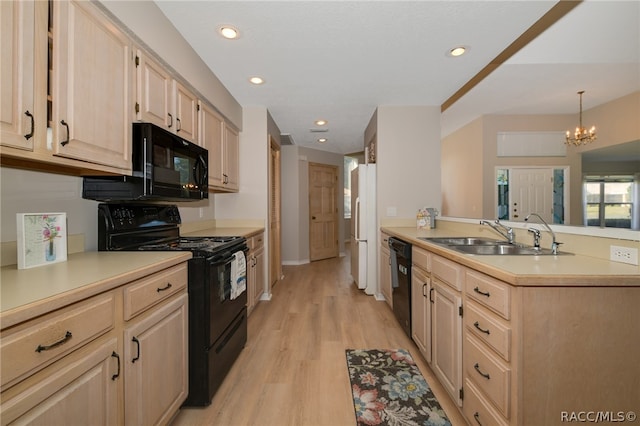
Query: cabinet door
[(17, 81), (260, 275), (92, 75), (154, 86), (81, 392), (155, 364), (447, 338), (231, 158), (385, 275), (210, 137), (421, 312), (186, 113)]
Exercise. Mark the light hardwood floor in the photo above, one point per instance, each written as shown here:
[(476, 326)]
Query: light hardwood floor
[(293, 369)]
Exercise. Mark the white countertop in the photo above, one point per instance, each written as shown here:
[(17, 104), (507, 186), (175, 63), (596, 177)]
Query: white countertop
[(524, 270)]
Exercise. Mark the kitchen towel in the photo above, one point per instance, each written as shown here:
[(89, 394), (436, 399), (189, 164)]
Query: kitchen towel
[(238, 274)]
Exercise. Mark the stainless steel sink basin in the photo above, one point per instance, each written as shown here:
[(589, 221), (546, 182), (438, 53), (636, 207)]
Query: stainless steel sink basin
[(501, 249), (488, 246), (461, 241)]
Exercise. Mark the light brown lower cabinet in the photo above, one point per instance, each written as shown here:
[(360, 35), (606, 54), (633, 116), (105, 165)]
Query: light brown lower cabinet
[(255, 271), (97, 362), (531, 355)]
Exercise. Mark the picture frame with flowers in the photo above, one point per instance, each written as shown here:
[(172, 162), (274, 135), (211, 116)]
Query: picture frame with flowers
[(42, 239)]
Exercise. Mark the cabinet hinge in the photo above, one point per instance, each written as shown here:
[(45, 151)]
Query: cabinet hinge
[(461, 394), (137, 107), (460, 310), (137, 61)]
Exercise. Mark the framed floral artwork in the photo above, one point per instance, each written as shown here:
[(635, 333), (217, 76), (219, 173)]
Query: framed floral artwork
[(42, 239)]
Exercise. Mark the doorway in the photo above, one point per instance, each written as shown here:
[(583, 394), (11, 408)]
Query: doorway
[(275, 265), (323, 211), (523, 190)]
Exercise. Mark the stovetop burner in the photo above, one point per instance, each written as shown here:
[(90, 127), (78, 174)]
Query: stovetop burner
[(202, 244)]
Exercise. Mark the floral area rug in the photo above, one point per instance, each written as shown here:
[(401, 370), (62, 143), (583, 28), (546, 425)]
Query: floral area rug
[(388, 389)]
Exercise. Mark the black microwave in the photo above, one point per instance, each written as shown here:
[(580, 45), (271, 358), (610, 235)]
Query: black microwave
[(165, 167)]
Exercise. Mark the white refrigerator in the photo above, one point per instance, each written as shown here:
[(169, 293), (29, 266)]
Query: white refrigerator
[(364, 228)]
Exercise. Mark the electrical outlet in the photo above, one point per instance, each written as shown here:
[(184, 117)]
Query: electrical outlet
[(624, 254)]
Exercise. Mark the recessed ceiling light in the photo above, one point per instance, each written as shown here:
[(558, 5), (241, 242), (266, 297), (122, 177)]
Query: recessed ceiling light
[(227, 31), (457, 51), (322, 140), (256, 80), (321, 122)]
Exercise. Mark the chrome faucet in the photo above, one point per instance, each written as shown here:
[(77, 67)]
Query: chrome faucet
[(501, 229), (536, 236)]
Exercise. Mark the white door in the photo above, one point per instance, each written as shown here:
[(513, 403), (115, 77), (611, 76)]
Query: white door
[(531, 192)]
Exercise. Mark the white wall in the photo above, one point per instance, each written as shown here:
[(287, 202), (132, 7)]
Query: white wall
[(26, 191), (408, 159)]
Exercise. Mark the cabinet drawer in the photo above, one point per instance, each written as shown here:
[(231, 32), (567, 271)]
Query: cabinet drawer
[(448, 271), (490, 375), (477, 410), (255, 242), (146, 292), (488, 329), (421, 258), (44, 340), (492, 293)]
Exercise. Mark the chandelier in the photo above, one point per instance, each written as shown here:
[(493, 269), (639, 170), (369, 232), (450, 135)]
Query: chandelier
[(581, 136)]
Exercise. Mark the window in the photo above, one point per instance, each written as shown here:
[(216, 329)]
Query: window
[(350, 163), (609, 201)]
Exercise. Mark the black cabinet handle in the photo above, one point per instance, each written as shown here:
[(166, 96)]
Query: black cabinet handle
[(66, 141), (431, 295), (477, 325), (116, 356), (482, 293), (485, 375), (167, 287), (137, 357), (65, 339), (30, 134), (179, 125), (170, 120), (476, 416), (423, 286)]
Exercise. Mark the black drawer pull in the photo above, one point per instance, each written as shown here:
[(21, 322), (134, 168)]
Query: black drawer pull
[(116, 356), (477, 325), (476, 417), (179, 125), (170, 121), (30, 134), (66, 141), (485, 375), (482, 293), (137, 357), (167, 287), (65, 339)]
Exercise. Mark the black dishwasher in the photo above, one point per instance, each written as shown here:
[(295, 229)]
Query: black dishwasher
[(401, 282)]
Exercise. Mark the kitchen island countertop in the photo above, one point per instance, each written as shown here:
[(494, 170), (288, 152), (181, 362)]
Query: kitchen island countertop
[(526, 270)]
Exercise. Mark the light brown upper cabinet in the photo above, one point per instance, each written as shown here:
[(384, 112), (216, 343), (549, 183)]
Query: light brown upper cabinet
[(222, 143), (163, 100), (17, 114), (92, 77)]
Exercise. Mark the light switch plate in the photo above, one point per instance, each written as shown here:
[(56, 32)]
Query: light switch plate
[(624, 254)]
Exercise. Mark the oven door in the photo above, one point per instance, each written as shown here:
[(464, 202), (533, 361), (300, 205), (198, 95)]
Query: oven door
[(222, 309)]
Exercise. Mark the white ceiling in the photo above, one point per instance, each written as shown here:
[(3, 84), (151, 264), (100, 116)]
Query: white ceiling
[(339, 60)]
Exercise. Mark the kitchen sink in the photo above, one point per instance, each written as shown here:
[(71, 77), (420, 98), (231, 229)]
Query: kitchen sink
[(461, 241), (488, 246)]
